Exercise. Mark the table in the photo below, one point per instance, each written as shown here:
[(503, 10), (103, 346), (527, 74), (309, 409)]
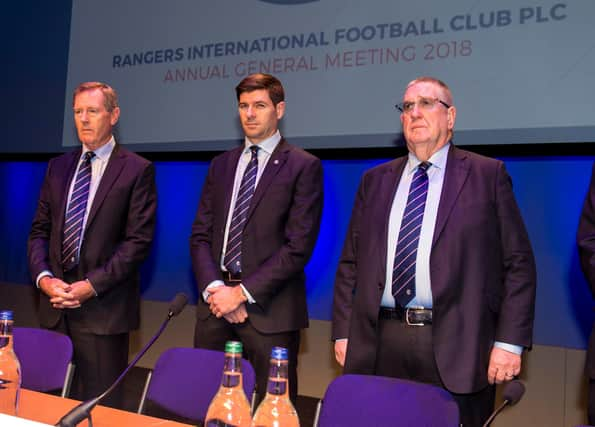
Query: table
[(47, 408)]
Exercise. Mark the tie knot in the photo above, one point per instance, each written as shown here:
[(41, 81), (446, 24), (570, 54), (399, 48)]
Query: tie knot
[(88, 156), (424, 166), (254, 149)]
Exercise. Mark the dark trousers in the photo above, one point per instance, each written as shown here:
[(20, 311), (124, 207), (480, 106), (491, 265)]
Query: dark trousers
[(591, 408), (99, 360), (212, 334), (407, 352)]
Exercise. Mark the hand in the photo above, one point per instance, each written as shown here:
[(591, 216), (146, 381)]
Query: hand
[(58, 291), (239, 315), (341, 351), (82, 290), (504, 366), (225, 299)]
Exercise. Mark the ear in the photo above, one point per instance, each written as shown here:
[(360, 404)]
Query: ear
[(451, 118), (280, 108), (114, 116)]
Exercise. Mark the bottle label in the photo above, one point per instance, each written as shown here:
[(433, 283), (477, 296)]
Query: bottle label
[(218, 423)]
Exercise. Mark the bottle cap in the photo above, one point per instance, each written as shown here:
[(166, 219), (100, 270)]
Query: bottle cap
[(233, 347), (279, 353), (6, 315)]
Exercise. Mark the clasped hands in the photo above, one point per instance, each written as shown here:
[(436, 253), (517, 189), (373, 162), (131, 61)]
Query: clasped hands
[(228, 302), (64, 295)]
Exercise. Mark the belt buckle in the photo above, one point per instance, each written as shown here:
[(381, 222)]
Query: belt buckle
[(410, 323)]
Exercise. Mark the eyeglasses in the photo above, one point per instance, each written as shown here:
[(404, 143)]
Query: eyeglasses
[(424, 104)]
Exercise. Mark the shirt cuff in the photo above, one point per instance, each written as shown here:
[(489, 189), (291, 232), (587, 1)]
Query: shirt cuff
[(42, 275), (516, 349), (213, 284), (247, 294)]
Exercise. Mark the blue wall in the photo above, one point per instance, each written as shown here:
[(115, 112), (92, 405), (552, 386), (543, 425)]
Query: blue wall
[(550, 192)]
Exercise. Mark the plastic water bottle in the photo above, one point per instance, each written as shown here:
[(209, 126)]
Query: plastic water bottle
[(10, 368), (230, 407), (276, 410)]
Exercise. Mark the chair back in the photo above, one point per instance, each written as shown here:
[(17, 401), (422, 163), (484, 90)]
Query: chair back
[(365, 400), (185, 380), (45, 358)]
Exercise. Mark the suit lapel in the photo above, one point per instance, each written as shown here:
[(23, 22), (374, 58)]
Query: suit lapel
[(113, 169), (384, 202), (274, 165), (227, 180), (64, 186), (457, 171)]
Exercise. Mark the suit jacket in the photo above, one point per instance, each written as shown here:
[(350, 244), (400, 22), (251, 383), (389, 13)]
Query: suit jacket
[(116, 239), (481, 267), (586, 246), (278, 237)]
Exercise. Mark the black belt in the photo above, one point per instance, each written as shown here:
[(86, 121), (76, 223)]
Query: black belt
[(411, 315), (231, 279)]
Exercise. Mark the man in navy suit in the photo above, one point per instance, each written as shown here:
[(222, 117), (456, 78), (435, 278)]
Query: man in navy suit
[(250, 274), (470, 290), (90, 289)]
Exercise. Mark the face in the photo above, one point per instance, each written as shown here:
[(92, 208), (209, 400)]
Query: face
[(258, 115), (427, 130), (93, 122)]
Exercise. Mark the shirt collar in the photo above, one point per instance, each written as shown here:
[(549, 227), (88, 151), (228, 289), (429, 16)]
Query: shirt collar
[(103, 152), (268, 145), (438, 159)]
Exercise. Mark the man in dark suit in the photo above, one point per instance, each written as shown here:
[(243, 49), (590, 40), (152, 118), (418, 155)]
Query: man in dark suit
[(586, 247), (254, 231), (436, 282), (92, 229)]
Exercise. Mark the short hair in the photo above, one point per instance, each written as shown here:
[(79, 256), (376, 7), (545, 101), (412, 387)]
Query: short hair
[(436, 81), (110, 96), (262, 81)]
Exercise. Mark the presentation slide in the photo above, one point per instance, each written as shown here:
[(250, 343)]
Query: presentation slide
[(520, 72)]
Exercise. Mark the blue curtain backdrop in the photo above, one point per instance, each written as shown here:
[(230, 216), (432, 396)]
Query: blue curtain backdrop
[(550, 192)]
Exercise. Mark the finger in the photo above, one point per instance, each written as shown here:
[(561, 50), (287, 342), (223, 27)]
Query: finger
[(71, 304), (491, 376)]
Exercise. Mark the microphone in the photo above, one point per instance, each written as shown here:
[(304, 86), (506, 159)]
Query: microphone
[(83, 410), (177, 305), (513, 392)]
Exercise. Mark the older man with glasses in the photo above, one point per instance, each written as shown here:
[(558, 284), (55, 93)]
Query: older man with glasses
[(436, 282)]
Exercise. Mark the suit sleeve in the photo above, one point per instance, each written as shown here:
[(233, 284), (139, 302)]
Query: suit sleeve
[(206, 267), (586, 235), (346, 277), (39, 237), (138, 234), (517, 309), (302, 222)]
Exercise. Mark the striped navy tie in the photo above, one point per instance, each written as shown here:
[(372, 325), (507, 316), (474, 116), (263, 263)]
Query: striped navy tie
[(233, 252), (403, 286), (75, 214)]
